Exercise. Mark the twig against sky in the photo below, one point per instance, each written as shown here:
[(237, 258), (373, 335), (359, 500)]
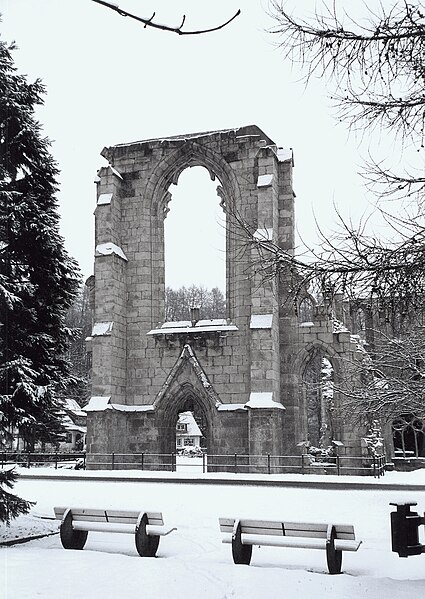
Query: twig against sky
[(149, 22)]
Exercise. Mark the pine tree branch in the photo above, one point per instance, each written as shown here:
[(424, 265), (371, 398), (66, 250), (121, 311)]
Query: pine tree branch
[(151, 23)]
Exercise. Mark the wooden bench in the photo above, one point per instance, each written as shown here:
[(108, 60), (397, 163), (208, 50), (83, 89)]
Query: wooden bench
[(333, 538), (77, 522)]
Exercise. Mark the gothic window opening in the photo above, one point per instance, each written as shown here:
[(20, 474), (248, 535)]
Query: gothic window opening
[(409, 436), (318, 383), (306, 310), (195, 243)]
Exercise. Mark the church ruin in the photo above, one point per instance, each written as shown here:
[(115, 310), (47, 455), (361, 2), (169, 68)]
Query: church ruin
[(241, 376)]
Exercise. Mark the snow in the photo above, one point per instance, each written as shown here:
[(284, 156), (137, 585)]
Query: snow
[(192, 562), (97, 403), (264, 180), (106, 249), (192, 429), (202, 326), (115, 172), (284, 154), (230, 407), (261, 321), (102, 328), (104, 199), (101, 403), (263, 400)]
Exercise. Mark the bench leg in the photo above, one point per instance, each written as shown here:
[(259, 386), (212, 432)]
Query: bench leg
[(333, 557), (146, 545), (70, 538), (241, 553)]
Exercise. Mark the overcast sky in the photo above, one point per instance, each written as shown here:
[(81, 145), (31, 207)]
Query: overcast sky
[(111, 81)]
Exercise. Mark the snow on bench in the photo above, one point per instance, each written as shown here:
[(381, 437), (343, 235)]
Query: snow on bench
[(333, 538), (77, 522)]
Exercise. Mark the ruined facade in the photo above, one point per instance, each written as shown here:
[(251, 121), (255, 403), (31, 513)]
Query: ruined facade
[(241, 376)]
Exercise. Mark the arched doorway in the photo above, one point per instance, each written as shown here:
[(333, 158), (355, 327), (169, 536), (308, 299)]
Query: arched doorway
[(185, 398)]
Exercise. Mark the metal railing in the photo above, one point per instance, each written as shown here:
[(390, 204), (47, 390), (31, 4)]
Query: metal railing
[(172, 462), (56, 459)]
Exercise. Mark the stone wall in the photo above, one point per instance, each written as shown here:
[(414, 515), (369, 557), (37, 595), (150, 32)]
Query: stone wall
[(244, 373)]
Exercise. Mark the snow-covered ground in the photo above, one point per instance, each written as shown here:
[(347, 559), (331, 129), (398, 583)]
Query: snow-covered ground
[(192, 563)]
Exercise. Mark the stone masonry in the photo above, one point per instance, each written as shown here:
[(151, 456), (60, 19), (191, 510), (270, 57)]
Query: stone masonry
[(242, 374)]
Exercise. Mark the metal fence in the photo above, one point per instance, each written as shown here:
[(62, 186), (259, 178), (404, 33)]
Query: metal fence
[(172, 462), (55, 459)]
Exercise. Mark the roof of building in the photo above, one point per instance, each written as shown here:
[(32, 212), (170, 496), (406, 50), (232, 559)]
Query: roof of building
[(192, 429)]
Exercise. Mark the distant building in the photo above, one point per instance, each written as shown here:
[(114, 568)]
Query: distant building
[(74, 422), (188, 433)]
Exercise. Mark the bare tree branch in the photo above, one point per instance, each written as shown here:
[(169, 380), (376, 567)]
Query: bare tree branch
[(377, 70), (149, 22)]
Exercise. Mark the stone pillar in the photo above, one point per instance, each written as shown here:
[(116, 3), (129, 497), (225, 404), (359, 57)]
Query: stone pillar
[(109, 330)]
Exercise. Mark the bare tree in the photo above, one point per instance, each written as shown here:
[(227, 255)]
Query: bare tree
[(393, 380), (376, 68), (149, 22), (179, 301), (377, 73)]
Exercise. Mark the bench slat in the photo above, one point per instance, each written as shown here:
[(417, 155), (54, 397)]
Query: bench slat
[(104, 527), (108, 516), (275, 528), (311, 534), (294, 542)]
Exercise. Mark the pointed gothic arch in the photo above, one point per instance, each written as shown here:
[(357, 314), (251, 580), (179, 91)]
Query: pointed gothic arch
[(167, 172), (186, 388)]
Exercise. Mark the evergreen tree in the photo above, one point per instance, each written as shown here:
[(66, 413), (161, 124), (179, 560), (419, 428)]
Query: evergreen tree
[(11, 506), (38, 280)]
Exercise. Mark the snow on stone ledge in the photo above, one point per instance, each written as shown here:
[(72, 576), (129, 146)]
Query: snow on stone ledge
[(263, 400), (261, 321), (230, 407), (115, 172), (106, 249), (102, 328), (97, 403), (214, 325), (102, 403), (125, 408), (104, 198), (308, 323), (263, 234), (264, 180), (284, 154)]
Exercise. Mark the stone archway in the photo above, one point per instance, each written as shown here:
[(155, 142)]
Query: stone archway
[(186, 388), (184, 400), (318, 397)]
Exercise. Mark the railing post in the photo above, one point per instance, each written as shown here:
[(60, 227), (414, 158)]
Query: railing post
[(112, 461), (338, 471), (143, 461), (236, 462), (268, 464), (302, 463), (56, 460), (173, 462), (28, 460), (203, 463)]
